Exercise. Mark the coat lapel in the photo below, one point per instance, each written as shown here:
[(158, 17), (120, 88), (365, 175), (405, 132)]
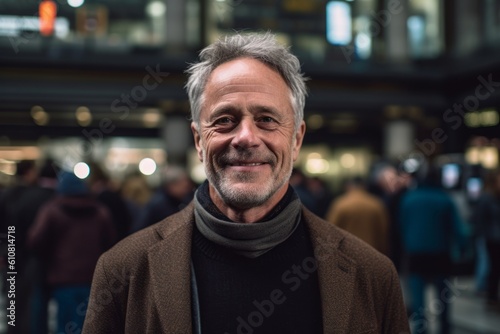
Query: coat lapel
[(336, 272), (169, 269)]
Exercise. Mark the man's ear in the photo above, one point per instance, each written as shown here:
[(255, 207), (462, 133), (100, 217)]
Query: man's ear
[(197, 141), (299, 137)]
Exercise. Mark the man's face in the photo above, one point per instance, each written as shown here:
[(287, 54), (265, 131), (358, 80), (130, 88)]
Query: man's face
[(246, 138)]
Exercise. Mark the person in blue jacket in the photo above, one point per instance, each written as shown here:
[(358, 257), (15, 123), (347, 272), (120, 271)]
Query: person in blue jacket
[(431, 227)]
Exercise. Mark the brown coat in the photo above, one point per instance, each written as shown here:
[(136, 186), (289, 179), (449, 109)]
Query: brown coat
[(363, 215), (142, 285)]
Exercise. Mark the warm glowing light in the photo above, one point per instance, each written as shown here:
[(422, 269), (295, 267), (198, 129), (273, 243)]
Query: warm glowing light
[(472, 119), (35, 109), (472, 156), (147, 166), (482, 118), (81, 170), (489, 157), (151, 118), (83, 116), (314, 155), (47, 12), (489, 118), (39, 115), (317, 166), (347, 160), (7, 167)]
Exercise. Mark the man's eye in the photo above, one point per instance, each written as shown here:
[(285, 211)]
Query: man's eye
[(267, 119), (223, 120)]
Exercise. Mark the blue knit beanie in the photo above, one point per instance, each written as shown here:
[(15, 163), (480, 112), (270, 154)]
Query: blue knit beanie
[(70, 184)]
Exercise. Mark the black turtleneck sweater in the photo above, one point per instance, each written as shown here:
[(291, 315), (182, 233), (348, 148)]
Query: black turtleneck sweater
[(277, 292)]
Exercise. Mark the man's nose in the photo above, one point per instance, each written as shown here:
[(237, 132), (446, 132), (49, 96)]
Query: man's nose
[(246, 134)]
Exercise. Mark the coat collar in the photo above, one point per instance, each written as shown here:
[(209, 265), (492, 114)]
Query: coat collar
[(169, 269), (170, 261), (336, 273)]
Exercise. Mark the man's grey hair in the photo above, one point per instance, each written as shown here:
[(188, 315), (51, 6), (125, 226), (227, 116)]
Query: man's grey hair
[(262, 47)]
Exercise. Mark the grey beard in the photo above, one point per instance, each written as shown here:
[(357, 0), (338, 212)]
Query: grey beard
[(242, 199)]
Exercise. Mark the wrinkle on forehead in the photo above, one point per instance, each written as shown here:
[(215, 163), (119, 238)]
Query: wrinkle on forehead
[(239, 75), (243, 71), (262, 88)]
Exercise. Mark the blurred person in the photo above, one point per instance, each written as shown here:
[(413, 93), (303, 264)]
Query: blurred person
[(322, 195), (12, 200), (390, 185), (26, 176), (18, 207), (136, 192), (431, 227), (36, 286), (175, 193), (361, 214), (245, 253), (481, 257), (103, 190), (70, 232), (299, 183), (486, 218), (482, 263)]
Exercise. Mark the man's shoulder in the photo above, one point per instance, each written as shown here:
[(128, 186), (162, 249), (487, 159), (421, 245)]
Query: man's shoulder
[(327, 237), (363, 255), (134, 248)]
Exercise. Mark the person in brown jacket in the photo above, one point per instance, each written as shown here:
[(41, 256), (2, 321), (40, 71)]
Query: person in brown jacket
[(361, 214), (245, 256)]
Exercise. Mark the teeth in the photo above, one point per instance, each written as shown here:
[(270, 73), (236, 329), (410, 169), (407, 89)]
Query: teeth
[(251, 164)]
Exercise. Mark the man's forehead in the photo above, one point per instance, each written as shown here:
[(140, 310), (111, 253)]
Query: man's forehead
[(246, 75), (243, 68), (227, 88)]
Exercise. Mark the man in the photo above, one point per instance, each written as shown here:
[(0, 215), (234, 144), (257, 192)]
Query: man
[(245, 256), (361, 214)]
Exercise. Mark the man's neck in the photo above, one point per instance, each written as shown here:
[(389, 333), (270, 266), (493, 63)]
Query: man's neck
[(247, 216)]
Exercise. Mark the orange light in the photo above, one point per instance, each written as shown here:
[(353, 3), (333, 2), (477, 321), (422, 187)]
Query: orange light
[(47, 12)]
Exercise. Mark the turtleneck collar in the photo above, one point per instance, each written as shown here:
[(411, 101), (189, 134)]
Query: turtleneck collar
[(249, 240)]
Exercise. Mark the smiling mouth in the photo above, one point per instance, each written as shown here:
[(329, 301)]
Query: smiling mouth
[(248, 164)]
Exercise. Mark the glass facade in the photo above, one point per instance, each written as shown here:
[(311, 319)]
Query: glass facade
[(105, 28), (369, 29), (77, 68)]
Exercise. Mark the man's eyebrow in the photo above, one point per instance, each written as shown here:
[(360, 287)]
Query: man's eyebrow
[(267, 110), (221, 111), (257, 110)]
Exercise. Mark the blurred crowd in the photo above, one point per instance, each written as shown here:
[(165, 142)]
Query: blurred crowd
[(63, 223)]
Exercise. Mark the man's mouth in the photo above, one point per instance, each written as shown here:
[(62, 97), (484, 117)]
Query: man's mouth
[(246, 164)]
